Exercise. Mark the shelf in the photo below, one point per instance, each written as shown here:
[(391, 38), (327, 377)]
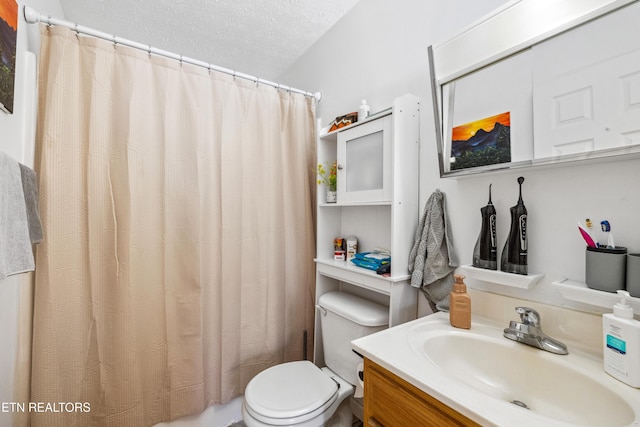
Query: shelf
[(333, 135), (379, 217), (591, 157), (347, 272), (340, 205), (578, 291), (502, 278)]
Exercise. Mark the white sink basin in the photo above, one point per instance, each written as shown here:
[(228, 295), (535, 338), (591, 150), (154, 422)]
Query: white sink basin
[(568, 389), (479, 373)]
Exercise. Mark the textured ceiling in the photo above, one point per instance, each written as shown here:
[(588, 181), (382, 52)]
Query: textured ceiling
[(257, 37)]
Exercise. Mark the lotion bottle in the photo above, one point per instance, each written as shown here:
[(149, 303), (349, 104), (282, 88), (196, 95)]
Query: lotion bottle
[(621, 341), (459, 304)]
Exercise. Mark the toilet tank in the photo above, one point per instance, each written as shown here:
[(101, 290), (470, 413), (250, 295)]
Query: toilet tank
[(343, 318)]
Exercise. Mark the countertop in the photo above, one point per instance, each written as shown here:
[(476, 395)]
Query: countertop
[(397, 349)]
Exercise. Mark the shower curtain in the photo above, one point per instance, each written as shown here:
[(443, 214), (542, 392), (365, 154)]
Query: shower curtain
[(179, 240)]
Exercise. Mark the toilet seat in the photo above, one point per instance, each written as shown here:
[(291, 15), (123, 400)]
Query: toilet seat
[(290, 393)]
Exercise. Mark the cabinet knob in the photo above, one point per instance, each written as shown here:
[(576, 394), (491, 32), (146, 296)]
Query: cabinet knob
[(340, 167)]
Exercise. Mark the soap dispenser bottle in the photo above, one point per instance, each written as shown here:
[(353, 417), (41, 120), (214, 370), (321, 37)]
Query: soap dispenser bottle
[(459, 304), (514, 254), (485, 251), (621, 342), (363, 111)]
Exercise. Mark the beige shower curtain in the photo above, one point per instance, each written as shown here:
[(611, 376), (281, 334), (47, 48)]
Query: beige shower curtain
[(177, 262)]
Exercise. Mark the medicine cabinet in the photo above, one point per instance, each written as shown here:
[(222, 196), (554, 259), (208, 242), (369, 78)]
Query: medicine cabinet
[(377, 202), (365, 161), (533, 85)]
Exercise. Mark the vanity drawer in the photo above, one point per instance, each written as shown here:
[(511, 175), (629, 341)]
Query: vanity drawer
[(391, 401)]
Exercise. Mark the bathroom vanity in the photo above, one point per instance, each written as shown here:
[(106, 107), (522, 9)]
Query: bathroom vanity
[(425, 372), (391, 401)]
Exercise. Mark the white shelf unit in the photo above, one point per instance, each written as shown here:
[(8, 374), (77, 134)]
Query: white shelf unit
[(573, 290), (381, 223)]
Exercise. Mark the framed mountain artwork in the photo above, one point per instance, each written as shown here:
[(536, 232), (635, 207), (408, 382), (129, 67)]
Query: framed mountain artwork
[(482, 142), (8, 38)]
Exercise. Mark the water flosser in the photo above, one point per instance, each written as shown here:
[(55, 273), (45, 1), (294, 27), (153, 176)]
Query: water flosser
[(514, 254), (485, 251)]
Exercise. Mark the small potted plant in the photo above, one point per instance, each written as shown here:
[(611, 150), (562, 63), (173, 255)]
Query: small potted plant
[(328, 179)]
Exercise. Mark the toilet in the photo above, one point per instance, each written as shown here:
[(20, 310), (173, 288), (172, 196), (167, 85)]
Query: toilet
[(301, 394)]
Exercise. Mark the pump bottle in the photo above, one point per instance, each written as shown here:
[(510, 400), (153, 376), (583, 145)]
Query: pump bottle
[(363, 111), (459, 304), (621, 341)]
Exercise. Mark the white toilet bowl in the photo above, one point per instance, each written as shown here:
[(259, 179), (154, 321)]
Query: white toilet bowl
[(301, 394), (297, 394)]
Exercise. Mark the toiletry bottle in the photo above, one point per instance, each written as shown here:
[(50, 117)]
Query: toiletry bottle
[(363, 111), (621, 340), (459, 304), (514, 254), (352, 247), (485, 251)]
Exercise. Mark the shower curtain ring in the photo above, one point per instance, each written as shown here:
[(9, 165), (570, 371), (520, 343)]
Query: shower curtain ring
[(209, 68), (149, 50), (48, 22), (77, 32), (115, 42), (180, 60)]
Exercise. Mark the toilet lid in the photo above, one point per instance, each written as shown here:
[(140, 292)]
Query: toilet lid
[(297, 390)]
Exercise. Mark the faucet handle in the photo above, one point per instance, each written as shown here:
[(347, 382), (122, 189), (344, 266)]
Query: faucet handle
[(529, 316)]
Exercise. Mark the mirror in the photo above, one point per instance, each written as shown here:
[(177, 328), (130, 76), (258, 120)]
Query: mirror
[(537, 84)]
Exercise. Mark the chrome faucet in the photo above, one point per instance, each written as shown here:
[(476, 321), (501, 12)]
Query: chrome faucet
[(529, 331)]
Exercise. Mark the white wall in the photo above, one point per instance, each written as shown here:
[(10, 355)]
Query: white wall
[(17, 141), (378, 52)]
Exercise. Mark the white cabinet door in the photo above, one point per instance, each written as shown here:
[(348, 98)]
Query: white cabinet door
[(365, 162)]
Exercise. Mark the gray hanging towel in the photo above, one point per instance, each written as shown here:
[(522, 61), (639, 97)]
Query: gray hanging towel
[(16, 255), (432, 260), (30, 190)]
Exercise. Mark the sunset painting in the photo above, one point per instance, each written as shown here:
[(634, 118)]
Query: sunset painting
[(8, 38), (480, 143)]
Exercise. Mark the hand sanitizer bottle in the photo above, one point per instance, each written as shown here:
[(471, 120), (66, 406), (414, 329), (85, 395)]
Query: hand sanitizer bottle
[(622, 343)]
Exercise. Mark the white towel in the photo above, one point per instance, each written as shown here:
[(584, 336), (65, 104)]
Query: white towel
[(16, 255)]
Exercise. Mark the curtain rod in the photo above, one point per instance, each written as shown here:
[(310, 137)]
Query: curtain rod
[(33, 17)]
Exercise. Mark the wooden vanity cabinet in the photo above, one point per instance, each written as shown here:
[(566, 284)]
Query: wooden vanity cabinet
[(390, 401)]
